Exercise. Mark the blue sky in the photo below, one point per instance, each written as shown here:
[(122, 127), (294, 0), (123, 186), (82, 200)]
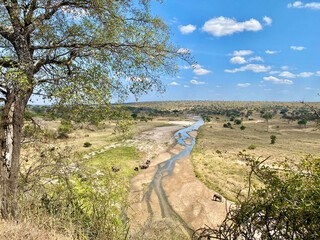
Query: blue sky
[(247, 50)]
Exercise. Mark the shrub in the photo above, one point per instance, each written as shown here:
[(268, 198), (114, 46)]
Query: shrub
[(87, 144), (143, 119), (218, 152), (65, 128), (242, 127), (225, 125), (237, 121), (252, 146), (273, 139)]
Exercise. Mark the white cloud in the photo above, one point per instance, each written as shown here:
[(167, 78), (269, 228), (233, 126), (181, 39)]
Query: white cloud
[(186, 86), (187, 29), (185, 67), (318, 73), (251, 67), (309, 88), (241, 53), (238, 60), (198, 70), (195, 82), (274, 72), (173, 84), (271, 52), (222, 26), (305, 74), (267, 20), (243, 85), (183, 50), (287, 74), (285, 67), (296, 48), (275, 80), (260, 59), (179, 77), (298, 4)]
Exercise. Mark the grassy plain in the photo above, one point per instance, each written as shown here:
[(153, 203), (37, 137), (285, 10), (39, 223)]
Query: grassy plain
[(216, 158)]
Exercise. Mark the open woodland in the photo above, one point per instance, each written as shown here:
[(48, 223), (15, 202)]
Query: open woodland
[(68, 187)]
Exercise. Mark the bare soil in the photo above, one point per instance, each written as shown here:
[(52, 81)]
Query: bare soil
[(189, 197)]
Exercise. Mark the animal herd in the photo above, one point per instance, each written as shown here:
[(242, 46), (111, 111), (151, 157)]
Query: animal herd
[(141, 166)]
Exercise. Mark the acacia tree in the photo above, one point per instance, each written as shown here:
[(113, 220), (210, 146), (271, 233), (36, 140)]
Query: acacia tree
[(267, 116), (77, 53)]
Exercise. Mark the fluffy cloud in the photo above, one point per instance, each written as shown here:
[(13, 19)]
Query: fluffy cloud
[(275, 80), (296, 48), (318, 74), (275, 72), (284, 67), (251, 67), (298, 4), (267, 20), (187, 29), (271, 52), (186, 86), (241, 53), (198, 70), (238, 60), (185, 67), (195, 82), (242, 60), (287, 74), (243, 84), (259, 59), (222, 26), (305, 74), (174, 84), (183, 50)]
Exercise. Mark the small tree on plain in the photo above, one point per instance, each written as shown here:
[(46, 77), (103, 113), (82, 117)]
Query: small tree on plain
[(273, 139), (267, 116), (303, 122)]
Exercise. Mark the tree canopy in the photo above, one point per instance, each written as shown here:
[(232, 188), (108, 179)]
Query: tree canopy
[(76, 53)]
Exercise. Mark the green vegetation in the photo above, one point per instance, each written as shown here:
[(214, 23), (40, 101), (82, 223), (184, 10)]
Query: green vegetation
[(252, 147), (267, 116), (78, 64), (303, 122), (242, 127), (87, 144), (237, 121), (84, 197), (286, 207), (273, 139)]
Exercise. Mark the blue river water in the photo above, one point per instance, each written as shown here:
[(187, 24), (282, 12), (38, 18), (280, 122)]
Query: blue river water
[(165, 169)]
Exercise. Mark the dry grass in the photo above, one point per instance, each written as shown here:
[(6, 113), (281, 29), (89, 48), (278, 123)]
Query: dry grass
[(28, 231), (224, 171)]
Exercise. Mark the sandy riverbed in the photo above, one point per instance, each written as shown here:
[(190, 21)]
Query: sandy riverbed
[(187, 195)]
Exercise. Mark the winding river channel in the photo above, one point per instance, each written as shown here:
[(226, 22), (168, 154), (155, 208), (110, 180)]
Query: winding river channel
[(165, 169)]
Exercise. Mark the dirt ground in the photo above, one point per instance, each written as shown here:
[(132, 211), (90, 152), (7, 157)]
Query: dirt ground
[(188, 196)]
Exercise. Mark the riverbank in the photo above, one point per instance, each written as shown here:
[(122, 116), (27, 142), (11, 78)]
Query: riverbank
[(180, 199)]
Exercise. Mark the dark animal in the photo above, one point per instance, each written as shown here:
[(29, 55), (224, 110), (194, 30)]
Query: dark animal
[(136, 169), (148, 162), (217, 197), (115, 169), (143, 166)]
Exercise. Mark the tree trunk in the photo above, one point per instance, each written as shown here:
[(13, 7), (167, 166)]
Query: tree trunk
[(10, 137)]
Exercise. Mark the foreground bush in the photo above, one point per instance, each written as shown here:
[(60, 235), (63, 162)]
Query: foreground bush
[(287, 207), (61, 194)]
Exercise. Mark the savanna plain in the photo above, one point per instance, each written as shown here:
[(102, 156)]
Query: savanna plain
[(89, 180)]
